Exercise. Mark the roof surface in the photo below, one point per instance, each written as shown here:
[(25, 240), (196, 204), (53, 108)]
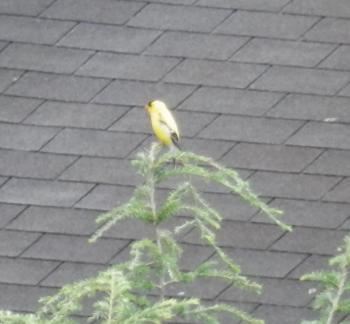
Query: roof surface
[(261, 85)]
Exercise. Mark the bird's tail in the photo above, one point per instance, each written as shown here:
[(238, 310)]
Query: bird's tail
[(174, 148)]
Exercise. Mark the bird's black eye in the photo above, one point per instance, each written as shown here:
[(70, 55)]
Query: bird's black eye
[(150, 103)]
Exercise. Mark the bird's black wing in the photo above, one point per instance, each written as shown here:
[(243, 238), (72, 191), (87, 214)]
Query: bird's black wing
[(174, 137)]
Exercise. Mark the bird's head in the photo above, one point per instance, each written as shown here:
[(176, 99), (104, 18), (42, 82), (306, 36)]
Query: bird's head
[(155, 105)]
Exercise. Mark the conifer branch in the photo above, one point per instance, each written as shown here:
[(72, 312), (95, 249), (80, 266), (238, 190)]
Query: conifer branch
[(335, 283), (154, 262)]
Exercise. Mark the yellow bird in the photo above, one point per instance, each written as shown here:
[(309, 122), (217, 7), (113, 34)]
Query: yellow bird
[(163, 123)]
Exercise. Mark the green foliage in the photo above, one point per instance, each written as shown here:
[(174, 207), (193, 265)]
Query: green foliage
[(136, 291), (334, 285), (7, 317)]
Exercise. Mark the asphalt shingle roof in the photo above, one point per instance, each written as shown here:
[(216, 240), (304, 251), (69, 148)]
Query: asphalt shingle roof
[(261, 85)]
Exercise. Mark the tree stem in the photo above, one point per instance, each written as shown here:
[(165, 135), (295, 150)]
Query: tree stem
[(162, 274), (340, 292), (110, 308), (151, 183), (153, 202)]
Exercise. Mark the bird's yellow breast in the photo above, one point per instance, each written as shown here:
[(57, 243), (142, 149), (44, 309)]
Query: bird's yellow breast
[(163, 123), (160, 130)]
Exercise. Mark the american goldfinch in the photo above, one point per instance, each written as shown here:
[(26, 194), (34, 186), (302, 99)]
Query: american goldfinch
[(163, 123)]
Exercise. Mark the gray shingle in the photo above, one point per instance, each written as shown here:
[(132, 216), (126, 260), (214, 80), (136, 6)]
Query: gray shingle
[(102, 170), (122, 256), (213, 73), (23, 7), (345, 91), (75, 115), (330, 30), (23, 271), (194, 255), (283, 52), (3, 180), (14, 110), (56, 220), (27, 138), (201, 184), (233, 234), (285, 315), (339, 8), (340, 193), (95, 143), (346, 224), (331, 162), (264, 263), (13, 243), (214, 149), (43, 58), (270, 157), (250, 129), (7, 77), (230, 101), (310, 240), (309, 213), (134, 229), (8, 212), (71, 272), (269, 5), (40, 192), (22, 298), (136, 120), (105, 197), (286, 185), (230, 207), (302, 80), (109, 38), (310, 107), (311, 264), (3, 45), (160, 16), (322, 135), (276, 292), (339, 59), (33, 30), (32, 165), (107, 11), (264, 24), (204, 288), (139, 93), (194, 45), (125, 66), (227, 318), (73, 248), (177, 2), (57, 87)]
